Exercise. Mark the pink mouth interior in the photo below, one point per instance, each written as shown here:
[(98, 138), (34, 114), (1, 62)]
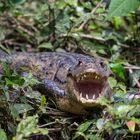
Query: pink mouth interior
[(92, 89)]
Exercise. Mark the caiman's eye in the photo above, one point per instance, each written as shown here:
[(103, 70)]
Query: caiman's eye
[(102, 64)]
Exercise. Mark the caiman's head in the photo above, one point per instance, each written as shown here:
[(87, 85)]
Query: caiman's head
[(87, 82)]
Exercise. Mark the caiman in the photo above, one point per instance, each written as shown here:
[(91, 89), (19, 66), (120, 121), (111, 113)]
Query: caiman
[(75, 81)]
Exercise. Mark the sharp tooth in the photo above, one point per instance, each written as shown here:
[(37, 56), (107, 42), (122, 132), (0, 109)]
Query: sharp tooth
[(78, 79), (81, 95), (96, 77), (85, 76), (87, 96), (93, 97)]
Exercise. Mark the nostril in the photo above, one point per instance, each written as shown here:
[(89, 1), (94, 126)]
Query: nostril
[(80, 63), (69, 74)]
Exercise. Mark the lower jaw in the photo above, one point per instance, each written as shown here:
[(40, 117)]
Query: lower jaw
[(90, 102)]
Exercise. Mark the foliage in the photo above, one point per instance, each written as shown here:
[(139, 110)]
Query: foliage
[(109, 30), (122, 7), (27, 127)]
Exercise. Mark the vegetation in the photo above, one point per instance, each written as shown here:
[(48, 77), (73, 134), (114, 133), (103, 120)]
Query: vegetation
[(101, 28)]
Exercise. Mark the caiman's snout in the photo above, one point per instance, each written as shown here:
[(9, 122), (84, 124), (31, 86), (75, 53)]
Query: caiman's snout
[(88, 87)]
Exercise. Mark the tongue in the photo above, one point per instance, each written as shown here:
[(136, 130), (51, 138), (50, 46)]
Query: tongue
[(89, 88)]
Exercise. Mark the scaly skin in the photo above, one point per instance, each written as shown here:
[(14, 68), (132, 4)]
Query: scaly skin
[(75, 81)]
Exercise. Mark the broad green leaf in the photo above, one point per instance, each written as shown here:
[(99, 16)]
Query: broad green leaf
[(61, 3), (2, 135), (122, 7), (83, 127), (30, 80), (14, 112), (21, 108), (2, 8), (118, 69), (122, 87), (137, 120), (4, 49), (112, 125), (123, 109), (46, 46), (79, 134), (112, 82), (62, 23), (100, 123), (25, 126), (93, 137), (16, 1), (6, 68), (29, 126), (2, 33)]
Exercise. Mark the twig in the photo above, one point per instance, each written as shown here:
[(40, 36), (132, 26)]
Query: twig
[(92, 12), (100, 40), (44, 125), (129, 66), (56, 113), (76, 35), (55, 129), (135, 79)]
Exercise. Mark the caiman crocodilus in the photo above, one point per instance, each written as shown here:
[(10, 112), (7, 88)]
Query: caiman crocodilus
[(75, 81)]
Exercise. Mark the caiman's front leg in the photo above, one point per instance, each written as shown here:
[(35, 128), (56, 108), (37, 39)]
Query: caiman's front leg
[(49, 88)]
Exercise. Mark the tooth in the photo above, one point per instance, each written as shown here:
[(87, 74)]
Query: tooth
[(81, 95), (85, 76), (96, 77), (87, 96), (78, 79), (93, 96)]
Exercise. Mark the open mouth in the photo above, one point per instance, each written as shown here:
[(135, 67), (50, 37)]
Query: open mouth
[(89, 85)]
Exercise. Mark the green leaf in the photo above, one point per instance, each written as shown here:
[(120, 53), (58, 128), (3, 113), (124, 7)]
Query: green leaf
[(3, 135), (6, 69), (61, 4), (93, 137), (112, 82), (79, 134), (46, 46), (29, 126), (21, 108), (123, 109), (62, 23), (2, 33), (14, 112), (2, 9), (100, 123), (43, 100), (12, 2), (30, 80), (83, 127), (122, 7), (118, 69), (4, 49), (112, 125)]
